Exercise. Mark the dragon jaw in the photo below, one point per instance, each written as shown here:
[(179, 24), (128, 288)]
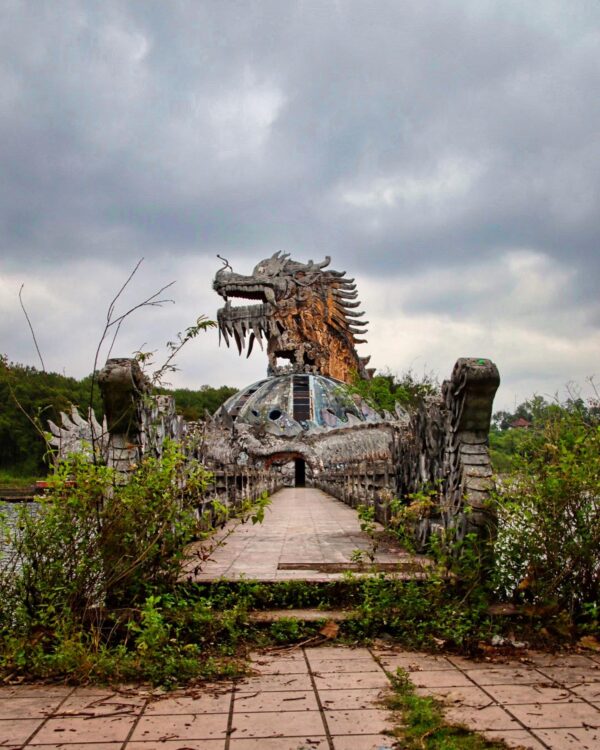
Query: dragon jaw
[(254, 321), (300, 308)]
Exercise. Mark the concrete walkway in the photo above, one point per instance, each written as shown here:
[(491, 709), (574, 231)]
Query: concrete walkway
[(319, 698), (306, 534)]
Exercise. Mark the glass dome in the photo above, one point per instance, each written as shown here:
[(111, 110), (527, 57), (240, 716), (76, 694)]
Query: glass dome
[(289, 404)]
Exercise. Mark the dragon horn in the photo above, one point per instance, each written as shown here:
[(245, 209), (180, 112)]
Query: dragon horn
[(323, 263), (276, 255)]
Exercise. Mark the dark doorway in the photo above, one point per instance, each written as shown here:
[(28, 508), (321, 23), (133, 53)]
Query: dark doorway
[(300, 472)]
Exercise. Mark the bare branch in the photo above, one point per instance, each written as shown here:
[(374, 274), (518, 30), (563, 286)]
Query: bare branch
[(150, 301), (111, 307), (31, 328), (202, 324), (114, 338)]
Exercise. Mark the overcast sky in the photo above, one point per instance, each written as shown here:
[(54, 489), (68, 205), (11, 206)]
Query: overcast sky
[(445, 154)]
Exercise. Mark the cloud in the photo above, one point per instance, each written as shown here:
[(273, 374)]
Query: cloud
[(520, 310), (446, 154)]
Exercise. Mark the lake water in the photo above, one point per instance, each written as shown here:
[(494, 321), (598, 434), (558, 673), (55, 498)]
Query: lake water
[(10, 514)]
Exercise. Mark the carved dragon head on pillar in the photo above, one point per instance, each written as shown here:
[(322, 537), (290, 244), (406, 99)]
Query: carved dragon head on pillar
[(306, 314)]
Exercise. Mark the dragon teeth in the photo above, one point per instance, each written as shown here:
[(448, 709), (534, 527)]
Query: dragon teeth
[(250, 344), (238, 340), (256, 333), (238, 328)]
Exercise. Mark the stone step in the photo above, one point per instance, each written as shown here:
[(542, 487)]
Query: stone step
[(408, 565), (269, 616)]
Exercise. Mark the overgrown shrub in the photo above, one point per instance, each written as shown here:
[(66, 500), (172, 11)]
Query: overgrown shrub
[(90, 587), (548, 545), (92, 542), (385, 390), (92, 556), (433, 613)]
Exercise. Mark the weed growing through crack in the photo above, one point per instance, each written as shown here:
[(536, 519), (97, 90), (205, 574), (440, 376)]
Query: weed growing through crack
[(423, 726)]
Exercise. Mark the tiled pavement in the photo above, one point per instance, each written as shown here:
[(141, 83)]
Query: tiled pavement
[(302, 526), (327, 698), (541, 701)]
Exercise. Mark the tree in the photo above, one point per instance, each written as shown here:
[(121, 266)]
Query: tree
[(386, 390), (30, 396), (192, 404)]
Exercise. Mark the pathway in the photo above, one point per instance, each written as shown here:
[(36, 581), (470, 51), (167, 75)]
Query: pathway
[(325, 698), (306, 534)]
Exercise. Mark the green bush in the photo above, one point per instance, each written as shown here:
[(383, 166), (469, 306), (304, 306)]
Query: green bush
[(549, 515), (504, 447), (431, 613), (386, 390), (92, 542), (91, 587), (91, 546)]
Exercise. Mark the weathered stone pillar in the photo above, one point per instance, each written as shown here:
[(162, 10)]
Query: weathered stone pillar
[(123, 387)]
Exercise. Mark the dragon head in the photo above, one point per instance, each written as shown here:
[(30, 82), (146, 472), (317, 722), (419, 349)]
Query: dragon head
[(305, 313)]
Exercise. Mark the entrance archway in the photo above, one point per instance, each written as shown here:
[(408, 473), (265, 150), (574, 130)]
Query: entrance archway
[(292, 461), (299, 472)]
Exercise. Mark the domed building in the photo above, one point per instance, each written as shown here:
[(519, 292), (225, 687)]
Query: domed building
[(289, 404), (298, 405), (288, 410)]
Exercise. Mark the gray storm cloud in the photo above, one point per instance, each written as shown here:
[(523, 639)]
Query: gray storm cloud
[(424, 145)]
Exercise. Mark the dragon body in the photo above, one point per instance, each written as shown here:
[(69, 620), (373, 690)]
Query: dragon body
[(306, 315)]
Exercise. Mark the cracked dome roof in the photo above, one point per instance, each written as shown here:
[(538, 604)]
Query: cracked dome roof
[(288, 404)]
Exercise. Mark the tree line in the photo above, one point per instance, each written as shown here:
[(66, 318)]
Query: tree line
[(31, 397), (513, 432)]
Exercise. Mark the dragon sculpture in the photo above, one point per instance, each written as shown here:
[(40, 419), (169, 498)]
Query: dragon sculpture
[(306, 314), (437, 449)]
